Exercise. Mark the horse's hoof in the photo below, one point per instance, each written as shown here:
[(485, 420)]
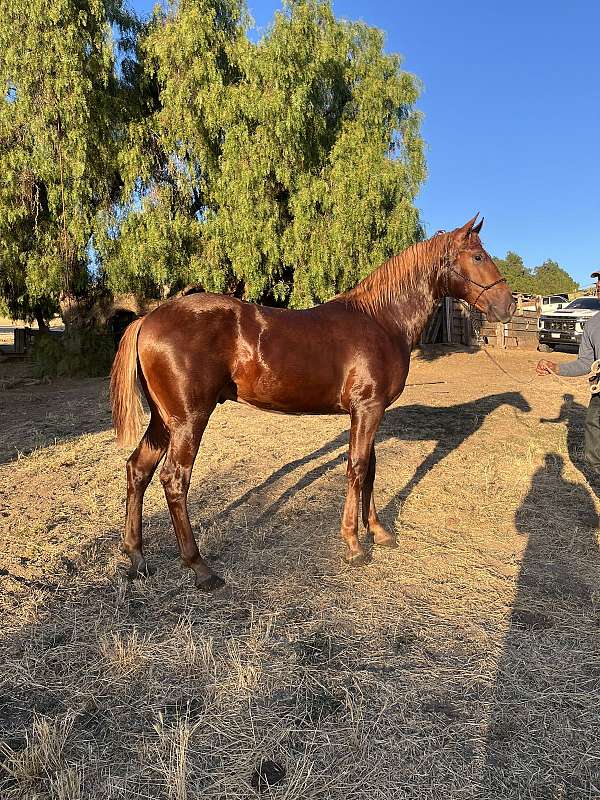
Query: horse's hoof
[(210, 584), (355, 559), (141, 570), (386, 541)]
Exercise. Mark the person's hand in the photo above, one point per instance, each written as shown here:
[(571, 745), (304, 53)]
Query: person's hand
[(546, 367)]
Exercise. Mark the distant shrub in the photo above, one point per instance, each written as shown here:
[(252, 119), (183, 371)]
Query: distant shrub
[(78, 353)]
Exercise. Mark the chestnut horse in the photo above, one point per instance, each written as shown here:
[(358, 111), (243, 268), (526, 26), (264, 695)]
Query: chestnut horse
[(347, 356)]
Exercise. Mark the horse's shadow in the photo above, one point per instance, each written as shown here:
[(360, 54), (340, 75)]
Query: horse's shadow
[(448, 426)]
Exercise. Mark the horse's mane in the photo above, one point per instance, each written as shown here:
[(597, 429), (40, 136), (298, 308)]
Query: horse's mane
[(407, 273)]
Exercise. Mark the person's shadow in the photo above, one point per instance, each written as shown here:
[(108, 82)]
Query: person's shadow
[(572, 413), (448, 426), (543, 721)]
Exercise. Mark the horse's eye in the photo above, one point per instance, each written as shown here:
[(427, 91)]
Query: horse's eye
[(478, 257)]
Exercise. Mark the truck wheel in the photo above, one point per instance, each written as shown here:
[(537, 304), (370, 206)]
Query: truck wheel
[(545, 348)]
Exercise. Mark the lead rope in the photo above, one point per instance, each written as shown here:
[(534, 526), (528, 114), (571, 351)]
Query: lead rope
[(506, 372), (556, 377), (477, 331)]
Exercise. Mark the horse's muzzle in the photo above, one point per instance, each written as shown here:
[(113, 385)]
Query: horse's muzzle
[(499, 314)]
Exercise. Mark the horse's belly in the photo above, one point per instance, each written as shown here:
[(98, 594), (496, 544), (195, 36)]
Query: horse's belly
[(267, 409), (270, 396), (287, 405)]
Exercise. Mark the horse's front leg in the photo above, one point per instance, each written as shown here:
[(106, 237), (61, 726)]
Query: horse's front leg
[(375, 530), (363, 427)]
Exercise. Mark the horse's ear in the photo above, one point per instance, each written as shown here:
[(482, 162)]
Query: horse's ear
[(462, 233), (478, 227)]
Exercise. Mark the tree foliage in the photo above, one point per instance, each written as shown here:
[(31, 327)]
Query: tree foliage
[(516, 273), (548, 278), (154, 241), (60, 116), (282, 170), (147, 156), (551, 278)]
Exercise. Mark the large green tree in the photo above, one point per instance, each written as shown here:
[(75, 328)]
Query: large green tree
[(61, 113), (516, 273), (551, 278), (283, 170), (186, 61), (548, 278)]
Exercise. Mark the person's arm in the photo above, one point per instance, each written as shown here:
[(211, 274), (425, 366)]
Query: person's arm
[(583, 362), (572, 369)]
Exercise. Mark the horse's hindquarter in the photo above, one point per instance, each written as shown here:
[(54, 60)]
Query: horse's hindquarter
[(185, 349)]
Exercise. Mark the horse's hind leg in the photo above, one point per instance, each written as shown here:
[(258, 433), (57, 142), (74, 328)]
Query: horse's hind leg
[(375, 530), (175, 477), (140, 468)]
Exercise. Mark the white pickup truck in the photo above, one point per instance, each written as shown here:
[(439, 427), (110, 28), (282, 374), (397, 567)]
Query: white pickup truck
[(553, 301), (565, 325)]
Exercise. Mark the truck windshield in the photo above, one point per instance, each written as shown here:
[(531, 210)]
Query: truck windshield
[(585, 303)]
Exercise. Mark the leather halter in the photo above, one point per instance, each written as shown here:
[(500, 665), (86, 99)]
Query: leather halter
[(481, 286), (466, 278)]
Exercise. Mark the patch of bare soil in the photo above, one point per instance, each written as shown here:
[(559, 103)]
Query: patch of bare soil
[(464, 664)]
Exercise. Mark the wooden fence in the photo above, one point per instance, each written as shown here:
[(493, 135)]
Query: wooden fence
[(450, 323), (455, 322), (22, 341), (521, 331)]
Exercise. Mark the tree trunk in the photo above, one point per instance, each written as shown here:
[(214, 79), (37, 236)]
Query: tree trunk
[(42, 324)]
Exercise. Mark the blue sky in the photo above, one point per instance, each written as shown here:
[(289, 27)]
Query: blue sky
[(511, 105)]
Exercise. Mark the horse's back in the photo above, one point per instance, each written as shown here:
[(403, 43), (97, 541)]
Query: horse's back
[(278, 359)]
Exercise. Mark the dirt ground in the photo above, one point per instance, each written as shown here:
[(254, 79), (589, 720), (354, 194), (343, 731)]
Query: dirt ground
[(464, 664)]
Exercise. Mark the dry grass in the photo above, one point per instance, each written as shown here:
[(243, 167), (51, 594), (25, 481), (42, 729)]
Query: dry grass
[(464, 664)]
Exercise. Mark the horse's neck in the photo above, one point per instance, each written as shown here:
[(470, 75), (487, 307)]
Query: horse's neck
[(406, 315)]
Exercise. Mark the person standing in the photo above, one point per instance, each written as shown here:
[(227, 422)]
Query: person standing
[(589, 351)]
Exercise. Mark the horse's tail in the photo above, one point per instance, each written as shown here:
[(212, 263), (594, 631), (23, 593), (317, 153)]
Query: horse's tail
[(125, 398)]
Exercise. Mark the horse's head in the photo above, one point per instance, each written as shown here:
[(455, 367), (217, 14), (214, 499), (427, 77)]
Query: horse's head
[(474, 277), (516, 400)]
